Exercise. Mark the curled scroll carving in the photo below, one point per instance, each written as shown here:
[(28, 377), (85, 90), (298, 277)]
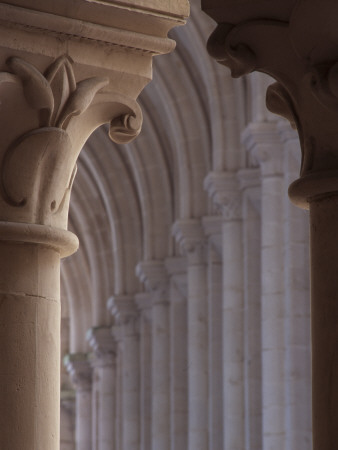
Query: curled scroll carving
[(125, 128), (56, 95), (225, 46)]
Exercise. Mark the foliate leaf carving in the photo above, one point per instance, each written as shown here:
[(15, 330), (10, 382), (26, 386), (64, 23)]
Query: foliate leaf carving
[(61, 78), (37, 90), (80, 99), (43, 159)]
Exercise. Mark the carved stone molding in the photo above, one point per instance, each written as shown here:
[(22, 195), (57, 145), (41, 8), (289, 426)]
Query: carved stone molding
[(125, 312), (80, 371), (296, 44), (38, 163), (153, 274), (104, 348), (190, 237), (177, 271), (263, 144), (250, 185), (223, 189), (212, 226), (144, 303), (65, 69)]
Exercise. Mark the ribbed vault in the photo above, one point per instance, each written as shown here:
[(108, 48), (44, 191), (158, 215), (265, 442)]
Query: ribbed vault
[(126, 198)]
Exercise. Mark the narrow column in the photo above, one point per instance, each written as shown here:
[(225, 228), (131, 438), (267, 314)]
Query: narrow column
[(155, 278), (213, 229), (144, 302), (126, 330), (80, 372), (67, 422), (177, 270), (190, 236), (250, 180), (297, 289), (224, 189), (104, 387), (263, 141)]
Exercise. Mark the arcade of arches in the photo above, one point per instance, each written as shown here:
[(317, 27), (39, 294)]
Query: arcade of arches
[(185, 312)]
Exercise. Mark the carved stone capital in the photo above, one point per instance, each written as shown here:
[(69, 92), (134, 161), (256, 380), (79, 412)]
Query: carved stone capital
[(144, 303), (177, 270), (250, 185), (152, 274), (296, 44), (126, 314), (223, 189), (189, 236), (155, 278), (38, 155), (80, 371), (66, 69), (212, 226), (263, 144), (104, 348)]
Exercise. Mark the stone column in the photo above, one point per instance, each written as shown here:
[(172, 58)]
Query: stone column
[(155, 278), (104, 386), (189, 234), (305, 93), (177, 271), (263, 141), (126, 330), (297, 290), (57, 85), (223, 188), (67, 422), (249, 181), (80, 372), (144, 303), (213, 230)]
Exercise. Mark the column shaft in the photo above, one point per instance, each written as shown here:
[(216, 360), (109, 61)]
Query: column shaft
[(81, 375), (252, 308), (29, 346), (145, 375), (273, 314), (297, 293), (131, 392), (83, 425), (197, 355), (233, 351), (324, 312), (160, 376), (178, 369), (107, 403), (215, 350)]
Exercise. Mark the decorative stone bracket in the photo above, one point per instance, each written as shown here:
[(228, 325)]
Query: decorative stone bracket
[(297, 46), (38, 166), (60, 79)]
